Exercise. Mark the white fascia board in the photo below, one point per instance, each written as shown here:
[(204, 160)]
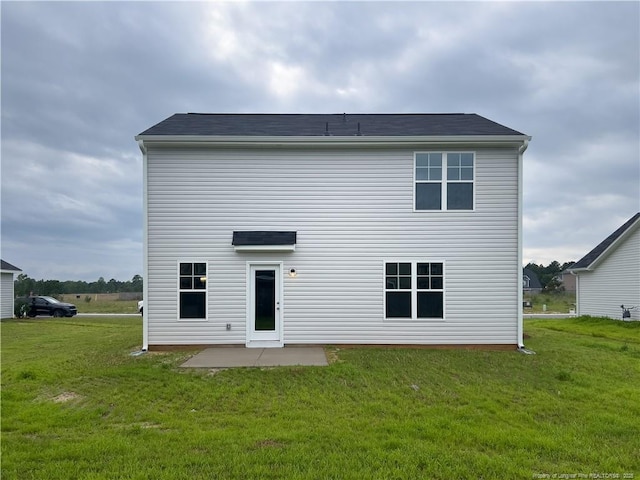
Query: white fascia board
[(264, 248), (578, 271), (231, 140)]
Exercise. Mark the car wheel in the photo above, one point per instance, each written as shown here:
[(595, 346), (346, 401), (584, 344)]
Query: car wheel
[(58, 313), (141, 310)]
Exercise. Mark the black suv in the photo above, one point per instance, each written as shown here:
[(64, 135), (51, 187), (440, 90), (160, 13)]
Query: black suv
[(33, 306)]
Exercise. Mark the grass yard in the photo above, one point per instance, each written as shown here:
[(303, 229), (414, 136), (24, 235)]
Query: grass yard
[(75, 404), (106, 306), (555, 302)]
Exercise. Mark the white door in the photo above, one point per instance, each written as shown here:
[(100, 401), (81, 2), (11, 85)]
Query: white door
[(264, 313)]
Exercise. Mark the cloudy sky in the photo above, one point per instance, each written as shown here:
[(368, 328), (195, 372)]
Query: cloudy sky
[(80, 79)]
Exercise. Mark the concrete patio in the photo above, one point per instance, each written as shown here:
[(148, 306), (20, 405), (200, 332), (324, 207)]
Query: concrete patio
[(226, 357)]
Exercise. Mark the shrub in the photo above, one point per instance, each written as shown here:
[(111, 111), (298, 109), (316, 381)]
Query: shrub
[(20, 307)]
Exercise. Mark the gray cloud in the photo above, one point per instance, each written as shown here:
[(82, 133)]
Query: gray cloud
[(79, 80)]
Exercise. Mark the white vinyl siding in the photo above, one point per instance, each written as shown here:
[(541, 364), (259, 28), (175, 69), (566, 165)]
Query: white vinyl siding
[(352, 209), (6, 295), (613, 282)]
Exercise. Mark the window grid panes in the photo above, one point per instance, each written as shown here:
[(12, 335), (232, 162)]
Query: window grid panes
[(430, 276), (429, 167), (398, 276)]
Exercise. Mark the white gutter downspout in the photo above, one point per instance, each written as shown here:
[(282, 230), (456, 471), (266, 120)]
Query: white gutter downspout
[(520, 333), (145, 250)]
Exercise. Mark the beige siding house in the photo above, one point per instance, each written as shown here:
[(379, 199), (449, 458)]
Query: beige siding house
[(273, 230), (609, 275)]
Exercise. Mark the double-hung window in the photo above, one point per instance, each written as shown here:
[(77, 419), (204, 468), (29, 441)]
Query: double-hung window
[(444, 180), (414, 290), (430, 290), (192, 291), (398, 290)]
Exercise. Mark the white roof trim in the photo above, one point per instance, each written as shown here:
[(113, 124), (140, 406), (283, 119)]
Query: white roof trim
[(231, 140), (264, 248)]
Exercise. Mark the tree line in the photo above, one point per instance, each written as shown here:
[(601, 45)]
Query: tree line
[(24, 286), (548, 275)]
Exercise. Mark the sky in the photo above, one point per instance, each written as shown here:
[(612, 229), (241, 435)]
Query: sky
[(81, 79)]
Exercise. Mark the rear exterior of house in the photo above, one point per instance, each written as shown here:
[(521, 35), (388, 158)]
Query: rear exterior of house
[(6, 288), (609, 275), (272, 230)]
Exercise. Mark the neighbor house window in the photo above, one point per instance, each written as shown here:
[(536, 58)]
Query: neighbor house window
[(414, 290), (444, 180), (192, 290)]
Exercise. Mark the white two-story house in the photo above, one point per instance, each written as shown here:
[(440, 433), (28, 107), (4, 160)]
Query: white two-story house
[(267, 230)]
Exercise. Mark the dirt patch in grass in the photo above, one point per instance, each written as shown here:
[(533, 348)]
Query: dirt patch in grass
[(332, 355), (65, 397), (269, 443)]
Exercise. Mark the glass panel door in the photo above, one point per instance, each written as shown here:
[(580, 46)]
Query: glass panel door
[(265, 300), (264, 315)]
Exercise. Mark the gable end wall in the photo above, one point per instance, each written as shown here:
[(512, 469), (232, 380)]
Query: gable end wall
[(352, 210), (614, 282)]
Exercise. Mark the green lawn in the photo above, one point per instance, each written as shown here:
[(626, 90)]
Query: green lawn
[(106, 306), (76, 404), (555, 302)]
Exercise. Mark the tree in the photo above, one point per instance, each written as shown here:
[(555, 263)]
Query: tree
[(136, 283), (112, 286), (23, 285), (101, 286)]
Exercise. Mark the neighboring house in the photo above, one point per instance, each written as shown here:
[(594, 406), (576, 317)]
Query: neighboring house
[(6, 288), (609, 275), (266, 230), (567, 280), (530, 282)]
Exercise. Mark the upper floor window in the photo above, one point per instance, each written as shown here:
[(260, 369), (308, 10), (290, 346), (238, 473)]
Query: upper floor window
[(444, 180)]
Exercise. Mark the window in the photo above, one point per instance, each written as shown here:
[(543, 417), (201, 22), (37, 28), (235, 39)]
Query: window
[(430, 288), (444, 181), (398, 290), (414, 290), (192, 290)]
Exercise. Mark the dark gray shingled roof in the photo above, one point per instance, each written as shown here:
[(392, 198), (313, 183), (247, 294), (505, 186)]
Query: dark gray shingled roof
[(439, 124), (534, 281), (593, 255), (7, 266)]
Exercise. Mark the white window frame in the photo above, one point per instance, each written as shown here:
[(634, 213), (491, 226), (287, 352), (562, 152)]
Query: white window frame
[(444, 181), (414, 290), (180, 290)]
